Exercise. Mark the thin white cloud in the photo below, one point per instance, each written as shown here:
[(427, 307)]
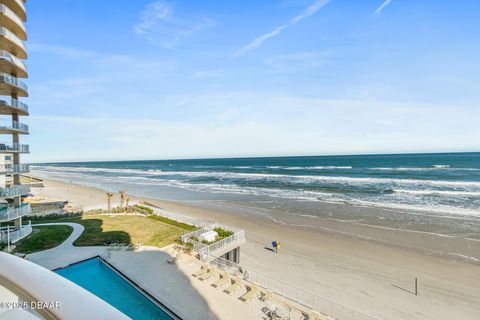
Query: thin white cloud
[(160, 26), (311, 10), (66, 52), (383, 6)]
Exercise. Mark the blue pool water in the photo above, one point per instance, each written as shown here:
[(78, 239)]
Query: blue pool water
[(98, 278)]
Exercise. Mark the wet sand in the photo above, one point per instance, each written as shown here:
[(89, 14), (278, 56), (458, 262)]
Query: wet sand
[(377, 278)]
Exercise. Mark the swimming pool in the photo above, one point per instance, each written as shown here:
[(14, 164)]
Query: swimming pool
[(97, 277)]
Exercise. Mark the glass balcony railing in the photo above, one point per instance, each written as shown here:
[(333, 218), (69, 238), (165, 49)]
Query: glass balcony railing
[(15, 168), (12, 16), (15, 125), (11, 80), (9, 234), (13, 38), (9, 212), (15, 147), (13, 191), (13, 103), (5, 55)]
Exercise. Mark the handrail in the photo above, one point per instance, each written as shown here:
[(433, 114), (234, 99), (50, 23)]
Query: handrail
[(13, 59), (14, 190), (15, 126), (10, 213), (15, 168), (5, 77), (9, 13), (15, 147), (14, 103), (238, 238), (298, 295), (13, 37), (15, 235)]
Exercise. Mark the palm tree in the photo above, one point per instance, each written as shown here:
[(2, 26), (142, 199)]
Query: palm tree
[(122, 197), (109, 199)]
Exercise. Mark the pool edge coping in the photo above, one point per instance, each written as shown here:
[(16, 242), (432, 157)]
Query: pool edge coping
[(144, 292)]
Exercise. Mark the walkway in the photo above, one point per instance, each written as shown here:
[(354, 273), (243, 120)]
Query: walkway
[(65, 253)]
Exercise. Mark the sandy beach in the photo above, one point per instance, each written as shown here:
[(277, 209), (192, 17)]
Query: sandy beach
[(372, 277)]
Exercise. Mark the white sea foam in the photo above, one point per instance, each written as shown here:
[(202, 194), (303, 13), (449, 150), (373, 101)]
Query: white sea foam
[(440, 192), (283, 177)]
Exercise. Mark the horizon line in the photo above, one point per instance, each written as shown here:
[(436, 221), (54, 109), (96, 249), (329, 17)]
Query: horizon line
[(265, 157)]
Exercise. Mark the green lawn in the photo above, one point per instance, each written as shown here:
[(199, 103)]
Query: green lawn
[(103, 229), (43, 238)]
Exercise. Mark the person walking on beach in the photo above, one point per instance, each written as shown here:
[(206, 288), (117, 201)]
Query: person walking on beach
[(276, 245)]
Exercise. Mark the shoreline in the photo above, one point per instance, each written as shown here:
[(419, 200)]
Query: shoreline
[(426, 242), (357, 273)]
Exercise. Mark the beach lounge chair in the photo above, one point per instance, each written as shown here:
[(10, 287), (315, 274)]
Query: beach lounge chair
[(236, 283), (207, 275), (224, 278), (202, 270), (251, 292)]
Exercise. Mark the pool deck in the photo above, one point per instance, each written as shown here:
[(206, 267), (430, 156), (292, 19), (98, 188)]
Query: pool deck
[(171, 284)]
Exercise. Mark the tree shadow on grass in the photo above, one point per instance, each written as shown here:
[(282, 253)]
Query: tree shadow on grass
[(93, 235)]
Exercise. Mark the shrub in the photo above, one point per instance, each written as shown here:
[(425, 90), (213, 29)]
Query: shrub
[(172, 222), (222, 233), (149, 211), (55, 216)]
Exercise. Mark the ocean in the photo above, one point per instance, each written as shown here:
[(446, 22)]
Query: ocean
[(435, 193)]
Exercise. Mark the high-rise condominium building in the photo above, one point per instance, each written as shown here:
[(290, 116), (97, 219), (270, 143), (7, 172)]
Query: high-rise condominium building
[(12, 88)]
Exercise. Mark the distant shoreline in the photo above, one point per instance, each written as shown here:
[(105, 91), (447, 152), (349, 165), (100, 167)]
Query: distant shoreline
[(423, 242)]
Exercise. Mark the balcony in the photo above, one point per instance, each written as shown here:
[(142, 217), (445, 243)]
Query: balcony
[(18, 7), (14, 127), (10, 85), (14, 168), (14, 148), (8, 234), (13, 44), (12, 22), (12, 65), (14, 191), (9, 106), (8, 213)]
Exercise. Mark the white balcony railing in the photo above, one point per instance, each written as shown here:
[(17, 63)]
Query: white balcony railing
[(13, 38), (9, 234), (14, 147), (8, 213), (217, 248), (14, 103), (11, 80), (15, 190), (12, 16), (5, 55)]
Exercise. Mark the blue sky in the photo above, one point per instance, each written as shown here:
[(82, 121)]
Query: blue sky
[(190, 79)]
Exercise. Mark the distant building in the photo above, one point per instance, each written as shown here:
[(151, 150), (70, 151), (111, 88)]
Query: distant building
[(12, 70)]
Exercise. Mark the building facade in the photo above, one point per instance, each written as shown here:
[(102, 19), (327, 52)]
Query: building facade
[(13, 51)]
